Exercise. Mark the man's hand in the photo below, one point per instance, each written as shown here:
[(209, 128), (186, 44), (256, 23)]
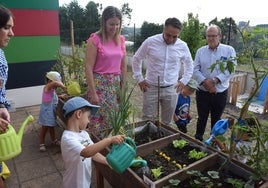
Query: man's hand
[(144, 85), (179, 87), (210, 85)]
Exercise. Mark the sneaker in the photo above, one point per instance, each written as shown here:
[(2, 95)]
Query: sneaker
[(56, 142), (42, 147), (182, 128)]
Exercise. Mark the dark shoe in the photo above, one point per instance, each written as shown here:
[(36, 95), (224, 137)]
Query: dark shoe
[(182, 128), (199, 137)]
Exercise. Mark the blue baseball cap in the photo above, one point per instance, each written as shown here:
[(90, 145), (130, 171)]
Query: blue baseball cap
[(76, 103)]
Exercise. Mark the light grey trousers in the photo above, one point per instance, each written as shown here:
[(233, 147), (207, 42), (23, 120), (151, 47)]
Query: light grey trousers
[(167, 104)]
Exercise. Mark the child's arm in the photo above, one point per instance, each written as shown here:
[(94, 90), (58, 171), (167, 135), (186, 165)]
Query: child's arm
[(55, 84), (175, 117), (98, 157), (93, 149)]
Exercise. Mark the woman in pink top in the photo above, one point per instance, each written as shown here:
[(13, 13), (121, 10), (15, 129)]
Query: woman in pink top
[(106, 65)]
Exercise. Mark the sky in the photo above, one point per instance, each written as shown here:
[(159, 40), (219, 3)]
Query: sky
[(158, 11)]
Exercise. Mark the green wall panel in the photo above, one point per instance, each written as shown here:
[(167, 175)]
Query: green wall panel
[(31, 4), (34, 48)]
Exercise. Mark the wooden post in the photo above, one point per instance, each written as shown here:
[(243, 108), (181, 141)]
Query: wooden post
[(73, 47), (235, 89)]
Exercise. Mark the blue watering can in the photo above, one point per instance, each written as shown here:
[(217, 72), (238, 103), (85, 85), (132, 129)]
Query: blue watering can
[(219, 128)]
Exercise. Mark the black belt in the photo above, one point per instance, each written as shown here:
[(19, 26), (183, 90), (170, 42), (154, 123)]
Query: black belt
[(164, 86)]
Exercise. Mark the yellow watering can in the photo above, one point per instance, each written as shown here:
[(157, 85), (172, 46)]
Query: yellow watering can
[(10, 141), (73, 89)]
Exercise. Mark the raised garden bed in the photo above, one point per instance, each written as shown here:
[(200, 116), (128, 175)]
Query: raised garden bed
[(144, 132), (170, 159), (235, 171)]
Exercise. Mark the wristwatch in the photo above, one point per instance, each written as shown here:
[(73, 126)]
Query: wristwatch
[(216, 80), (2, 105)]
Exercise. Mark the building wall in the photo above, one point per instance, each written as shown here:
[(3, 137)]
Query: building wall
[(32, 51)]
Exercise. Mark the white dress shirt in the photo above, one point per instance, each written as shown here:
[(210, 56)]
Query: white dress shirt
[(205, 57), (162, 60)]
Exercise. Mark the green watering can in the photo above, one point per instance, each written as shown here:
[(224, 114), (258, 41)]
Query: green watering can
[(122, 156), (10, 141)]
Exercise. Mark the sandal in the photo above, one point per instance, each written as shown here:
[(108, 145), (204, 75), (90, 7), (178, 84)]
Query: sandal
[(56, 142), (42, 147)]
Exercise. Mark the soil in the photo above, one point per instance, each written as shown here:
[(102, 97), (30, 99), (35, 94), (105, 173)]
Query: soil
[(147, 137), (218, 182), (177, 156)]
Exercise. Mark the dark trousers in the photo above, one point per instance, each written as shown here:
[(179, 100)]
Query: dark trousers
[(208, 103)]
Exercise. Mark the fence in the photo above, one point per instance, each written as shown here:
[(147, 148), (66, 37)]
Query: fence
[(237, 86)]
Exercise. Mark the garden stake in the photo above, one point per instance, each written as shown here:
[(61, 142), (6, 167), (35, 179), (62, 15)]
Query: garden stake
[(158, 108)]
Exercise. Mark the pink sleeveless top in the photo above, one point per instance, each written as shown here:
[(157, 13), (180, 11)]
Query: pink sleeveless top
[(47, 96), (109, 56)]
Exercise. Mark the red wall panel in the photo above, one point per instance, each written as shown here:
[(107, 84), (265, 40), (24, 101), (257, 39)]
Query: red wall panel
[(35, 22)]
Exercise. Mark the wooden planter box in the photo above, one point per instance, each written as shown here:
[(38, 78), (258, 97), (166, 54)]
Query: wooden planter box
[(130, 179), (203, 165)]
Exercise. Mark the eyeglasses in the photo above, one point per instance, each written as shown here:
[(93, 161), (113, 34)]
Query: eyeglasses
[(211, 36)]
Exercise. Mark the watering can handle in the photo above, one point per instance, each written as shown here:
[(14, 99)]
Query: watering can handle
[(131, 142), (29, 119)]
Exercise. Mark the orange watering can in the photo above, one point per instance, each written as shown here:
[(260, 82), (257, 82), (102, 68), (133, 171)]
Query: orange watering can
[(10, 141), (122, 156)]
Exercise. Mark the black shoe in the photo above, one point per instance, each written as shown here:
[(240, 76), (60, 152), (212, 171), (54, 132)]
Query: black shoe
[(182, 128), (199, 138)]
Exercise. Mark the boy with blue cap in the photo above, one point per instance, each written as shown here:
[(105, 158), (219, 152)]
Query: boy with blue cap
[(77, 148)]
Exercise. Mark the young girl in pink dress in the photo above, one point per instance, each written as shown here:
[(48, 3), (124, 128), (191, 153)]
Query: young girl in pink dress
[(47, 115)]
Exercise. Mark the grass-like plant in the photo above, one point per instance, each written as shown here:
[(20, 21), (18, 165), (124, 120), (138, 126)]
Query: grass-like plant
[(119, 117)]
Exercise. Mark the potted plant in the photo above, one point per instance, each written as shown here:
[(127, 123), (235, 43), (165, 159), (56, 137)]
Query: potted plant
[(247, 126)]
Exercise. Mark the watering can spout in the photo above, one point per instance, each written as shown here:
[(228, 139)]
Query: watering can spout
[(29, 119)]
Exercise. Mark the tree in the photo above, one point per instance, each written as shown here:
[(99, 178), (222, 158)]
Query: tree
[(86, 21), (126, 12), (147, 30), (192, 33)]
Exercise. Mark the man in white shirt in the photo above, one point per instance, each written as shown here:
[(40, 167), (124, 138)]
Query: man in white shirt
[(211, 96), (164, 54)]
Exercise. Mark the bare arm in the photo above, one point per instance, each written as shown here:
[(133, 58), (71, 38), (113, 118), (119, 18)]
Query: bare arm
[(54, 84), (91, 53), (124, 70), (93, 149)]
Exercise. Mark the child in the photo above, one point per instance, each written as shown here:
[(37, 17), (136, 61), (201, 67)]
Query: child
[(77, 148), (182, 115), (47, 115)]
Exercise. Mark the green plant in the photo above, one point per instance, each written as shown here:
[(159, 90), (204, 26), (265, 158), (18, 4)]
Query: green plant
[(247, 123), (237, 183), (72, 67), (180, 143), (197, 179), (157, 172), (197, 154), (172, 183), (118, 117)]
